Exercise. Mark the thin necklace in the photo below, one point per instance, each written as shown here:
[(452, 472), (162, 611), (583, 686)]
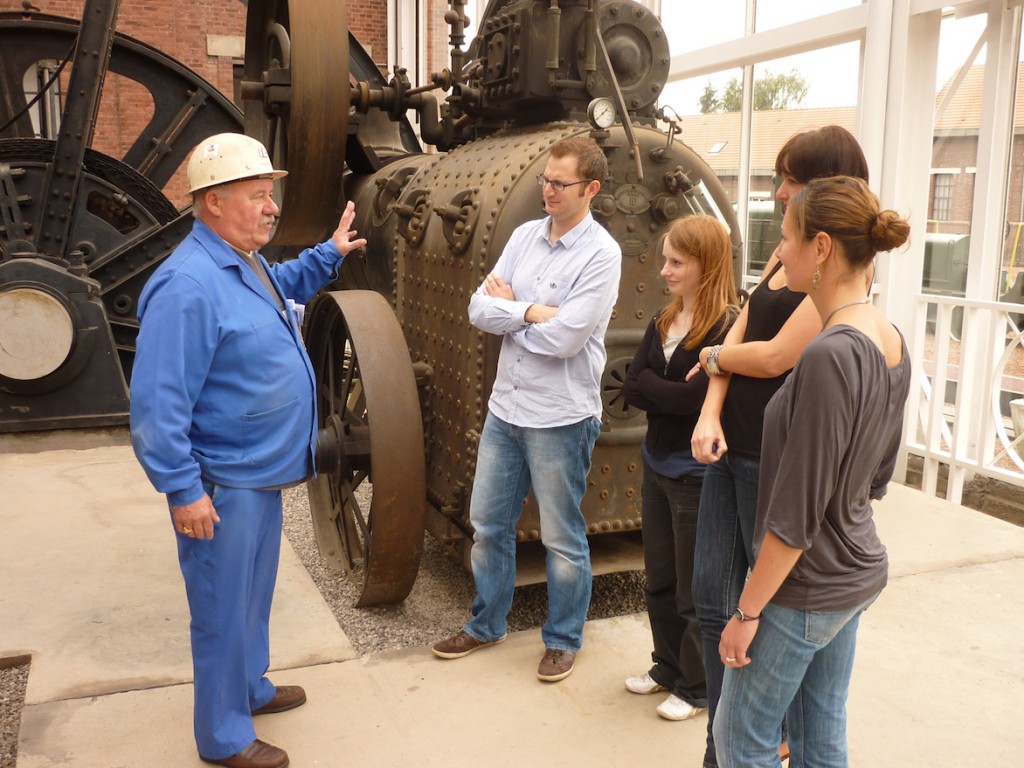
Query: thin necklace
[(844, 306)]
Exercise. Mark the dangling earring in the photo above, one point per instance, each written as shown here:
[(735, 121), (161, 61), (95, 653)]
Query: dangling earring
[(816, 280)]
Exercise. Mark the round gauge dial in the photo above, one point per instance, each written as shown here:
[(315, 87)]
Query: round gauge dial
[(601, 112)]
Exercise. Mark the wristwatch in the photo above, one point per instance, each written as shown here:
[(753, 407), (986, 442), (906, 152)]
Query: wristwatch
[(743, 617)]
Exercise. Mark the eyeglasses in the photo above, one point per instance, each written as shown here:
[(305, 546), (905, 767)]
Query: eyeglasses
[(558, 186)]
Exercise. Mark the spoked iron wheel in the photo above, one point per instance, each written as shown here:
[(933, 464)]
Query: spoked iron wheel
[(370, 433), (186, 108)]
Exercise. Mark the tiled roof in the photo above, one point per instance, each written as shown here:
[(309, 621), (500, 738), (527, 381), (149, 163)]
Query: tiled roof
[(770, 130), (964, 112)]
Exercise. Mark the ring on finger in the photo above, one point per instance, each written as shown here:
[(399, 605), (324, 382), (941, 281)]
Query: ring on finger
[(730, 659)]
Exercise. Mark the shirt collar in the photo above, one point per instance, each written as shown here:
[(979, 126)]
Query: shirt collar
[(569, 239), (221, 250)]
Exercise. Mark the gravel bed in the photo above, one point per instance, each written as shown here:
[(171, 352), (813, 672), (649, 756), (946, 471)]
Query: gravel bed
[(439, 602), (437, 607), (12, 698)]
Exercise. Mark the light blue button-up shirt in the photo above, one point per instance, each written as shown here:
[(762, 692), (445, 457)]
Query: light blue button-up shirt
[(549, 373)]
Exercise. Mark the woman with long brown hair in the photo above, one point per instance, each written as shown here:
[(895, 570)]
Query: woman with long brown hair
[(699, 277)]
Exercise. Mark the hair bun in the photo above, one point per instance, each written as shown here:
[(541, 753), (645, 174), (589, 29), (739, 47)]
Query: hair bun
[(889, 231)]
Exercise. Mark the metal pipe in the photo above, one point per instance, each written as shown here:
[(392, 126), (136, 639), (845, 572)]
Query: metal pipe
[(627, 124), (456, 19), (589, 61), (554, 33)]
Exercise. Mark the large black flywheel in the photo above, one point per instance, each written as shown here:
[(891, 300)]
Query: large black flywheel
[(68, 328), (305, 76), (81, 231)]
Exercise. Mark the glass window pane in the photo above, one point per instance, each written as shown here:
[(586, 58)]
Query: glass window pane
[(942, 197), (45, 113), (714, 135), (687, 97), (1011, 273), (831, 76), (772, 14), (789, 96), (697, 25), (954, 156), (474, 10)]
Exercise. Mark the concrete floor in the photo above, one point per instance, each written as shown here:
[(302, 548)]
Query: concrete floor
[(91, 590)]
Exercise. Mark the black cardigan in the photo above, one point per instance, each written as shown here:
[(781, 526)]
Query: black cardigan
[(672, 404)]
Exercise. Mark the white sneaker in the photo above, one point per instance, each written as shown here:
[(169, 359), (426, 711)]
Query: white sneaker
[(643, 684), (674, 708)]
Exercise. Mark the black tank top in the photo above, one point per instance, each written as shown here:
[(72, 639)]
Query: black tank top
[(743, 410)]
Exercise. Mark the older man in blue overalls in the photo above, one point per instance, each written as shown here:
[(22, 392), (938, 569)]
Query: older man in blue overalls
[(223, 417)]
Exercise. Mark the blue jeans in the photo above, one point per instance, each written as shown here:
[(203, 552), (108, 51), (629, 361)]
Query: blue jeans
[(725, 536), (669, 535), (229, 581), (801, 663), (555, 461)]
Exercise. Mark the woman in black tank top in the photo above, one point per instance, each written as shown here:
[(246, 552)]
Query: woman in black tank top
[(698, 273), (743, 409)]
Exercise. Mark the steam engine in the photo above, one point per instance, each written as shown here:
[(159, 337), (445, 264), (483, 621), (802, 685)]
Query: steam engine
[(403, 378)]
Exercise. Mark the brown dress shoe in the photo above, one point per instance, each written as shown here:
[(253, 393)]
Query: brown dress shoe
[(556, 665), (462, 644), (259, 754), (285, 697)]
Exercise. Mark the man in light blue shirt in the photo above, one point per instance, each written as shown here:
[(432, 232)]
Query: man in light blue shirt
[(550, 298)]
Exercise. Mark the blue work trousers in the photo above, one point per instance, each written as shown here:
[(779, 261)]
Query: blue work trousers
[(229, 581)]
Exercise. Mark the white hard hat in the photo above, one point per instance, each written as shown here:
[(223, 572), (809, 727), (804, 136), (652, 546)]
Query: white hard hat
[(229, 157)]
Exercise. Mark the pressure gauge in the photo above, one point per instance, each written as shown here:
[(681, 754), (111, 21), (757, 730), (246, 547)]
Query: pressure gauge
[(601, 112)]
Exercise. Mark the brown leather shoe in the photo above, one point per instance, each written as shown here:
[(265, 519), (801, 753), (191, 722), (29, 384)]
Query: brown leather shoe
[(285, 697), (556, 665), (259, 754), (462, 644)]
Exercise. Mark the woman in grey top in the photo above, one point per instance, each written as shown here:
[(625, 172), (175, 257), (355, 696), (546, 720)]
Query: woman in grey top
[(831, 437)]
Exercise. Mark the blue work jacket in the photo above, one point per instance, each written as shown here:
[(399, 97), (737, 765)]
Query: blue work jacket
[(222, 387)]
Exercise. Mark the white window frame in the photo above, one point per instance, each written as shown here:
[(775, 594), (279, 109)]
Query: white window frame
[(894, 125)]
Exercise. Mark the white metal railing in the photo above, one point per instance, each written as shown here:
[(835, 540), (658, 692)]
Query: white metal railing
[(968, 359)]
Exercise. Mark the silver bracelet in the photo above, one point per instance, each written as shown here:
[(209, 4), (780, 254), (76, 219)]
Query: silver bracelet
[(712, 366)]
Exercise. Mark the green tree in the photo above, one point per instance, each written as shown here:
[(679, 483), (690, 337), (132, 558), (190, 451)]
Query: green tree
[(772, 90), (708, 101)]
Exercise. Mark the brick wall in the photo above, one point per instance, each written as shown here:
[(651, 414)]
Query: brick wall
[(369, 22), (958, 155), (178, 31), (181, 29), (438, 40)]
